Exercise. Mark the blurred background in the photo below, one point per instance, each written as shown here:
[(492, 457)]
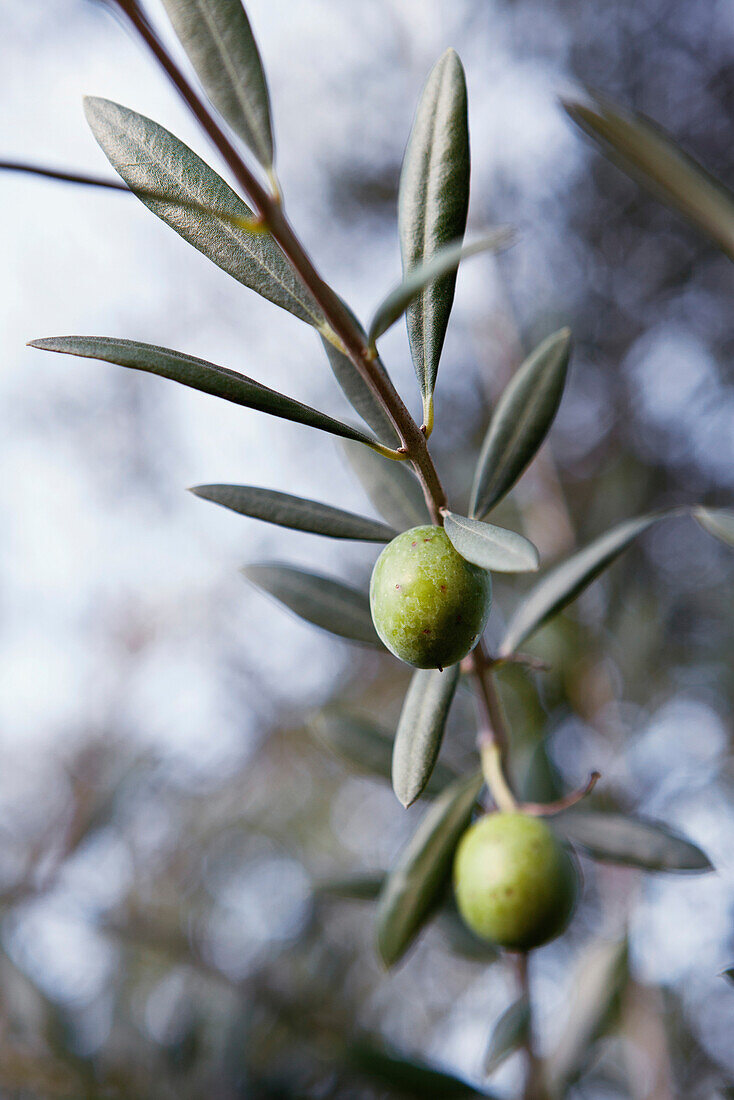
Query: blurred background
[(165, 810)]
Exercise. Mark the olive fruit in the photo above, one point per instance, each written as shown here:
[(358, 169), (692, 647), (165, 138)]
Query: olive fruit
[(515, 883), (429, 605)]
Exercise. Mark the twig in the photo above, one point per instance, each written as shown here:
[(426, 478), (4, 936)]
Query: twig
[(547, 809)]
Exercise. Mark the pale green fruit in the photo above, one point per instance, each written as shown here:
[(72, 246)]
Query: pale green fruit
[(429, 605), (515, 883)]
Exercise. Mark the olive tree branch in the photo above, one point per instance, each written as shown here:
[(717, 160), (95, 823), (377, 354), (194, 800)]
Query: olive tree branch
[(269, 210), (533, 1086)]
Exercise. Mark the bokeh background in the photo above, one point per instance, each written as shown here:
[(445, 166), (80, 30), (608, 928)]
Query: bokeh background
[(164, 808)]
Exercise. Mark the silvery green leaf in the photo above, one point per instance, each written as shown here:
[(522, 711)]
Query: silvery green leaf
[(520, 423), (432, 206), (199, 375), (443, 262), (630, 840), (402, 1076), (360, 395), (289, 511), (414, 885), (420, 730), (508, 1034), (152, 161), (648, 154), (217, 37), (363, 745), (567, 579), (320, 600), (601, 973), (490, 547), (718, 522), (391, 486)]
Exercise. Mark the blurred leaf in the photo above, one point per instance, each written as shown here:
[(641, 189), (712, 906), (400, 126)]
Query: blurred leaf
[(443, 262), (401, 1075), (728, 975), (642, 149), (539, 779), (361, 743), (432, 206), (490, 547), (718, 522), (569, 578), (151, 159), (352, 887), (508, 1034), (460, 938), (217, 37), (288, 511), (623, 838), (391, 486), (601, 973), (358, 393), (521, 421), (414, 884), (327, 603), (199, 375), (420, 730)]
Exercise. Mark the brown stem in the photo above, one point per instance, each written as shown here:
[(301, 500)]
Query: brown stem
[(533, 1086), (270, 211), (547, 809)]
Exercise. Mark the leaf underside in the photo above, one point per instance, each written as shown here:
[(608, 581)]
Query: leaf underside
[(490, 547), (420, 730), (630, 840)]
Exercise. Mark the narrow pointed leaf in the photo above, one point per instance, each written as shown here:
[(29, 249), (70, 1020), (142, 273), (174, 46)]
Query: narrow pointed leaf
[(352, 888), (490, 547), (565, 581), (289, 511), (414, 886), (508, 1034), (391, 486), (630, 840), (521, 421), (601, 974), (432, 206), (199, 375), (647, 153), (404, 1076), (360, 395), (420, 730), (152, 161), (443, 262), (363, 745), (217, 37), (718, 522), (326, 603)]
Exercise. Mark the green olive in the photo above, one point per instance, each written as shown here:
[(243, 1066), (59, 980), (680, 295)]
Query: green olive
[(515, 883), (429, 605)]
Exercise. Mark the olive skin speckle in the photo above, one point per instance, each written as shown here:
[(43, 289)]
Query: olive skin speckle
[(429, 605), (515, 883)]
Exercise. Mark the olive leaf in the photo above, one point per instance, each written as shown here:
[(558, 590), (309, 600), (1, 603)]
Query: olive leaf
[(351, 887), (365, 746), (151, 160), (326, 603), (413, 887), (600, 976), (218, 40), (718, 522), (420, 730), (443, 262), (391, 486), (432, 206), (520, 422), (408, 1077), (490, 547), (289, 511), (630, 840), (508, 1034), (570, 577), (728, 975), (359, 394), (199, 375), (647, 153)]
